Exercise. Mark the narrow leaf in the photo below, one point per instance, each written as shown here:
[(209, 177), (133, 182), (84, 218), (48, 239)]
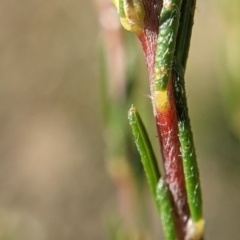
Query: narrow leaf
[(169, 18), (145, 149), (166, 211), (188, 153)]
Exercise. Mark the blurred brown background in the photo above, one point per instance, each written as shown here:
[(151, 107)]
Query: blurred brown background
[(53, 182)]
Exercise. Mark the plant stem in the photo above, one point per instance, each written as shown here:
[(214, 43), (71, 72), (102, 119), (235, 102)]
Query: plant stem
[(166, 114), (165, 37), (167, 126)]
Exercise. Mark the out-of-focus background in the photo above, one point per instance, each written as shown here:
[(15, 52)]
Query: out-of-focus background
[(53, 181)]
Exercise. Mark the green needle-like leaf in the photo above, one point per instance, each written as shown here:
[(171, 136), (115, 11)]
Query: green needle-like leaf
[(166, 43), (165, 210), (185, 31), (145, 149), (187, 147)]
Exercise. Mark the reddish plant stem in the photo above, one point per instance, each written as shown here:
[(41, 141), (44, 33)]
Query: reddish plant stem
[(166, 122), (149, 36), (167, 127)]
